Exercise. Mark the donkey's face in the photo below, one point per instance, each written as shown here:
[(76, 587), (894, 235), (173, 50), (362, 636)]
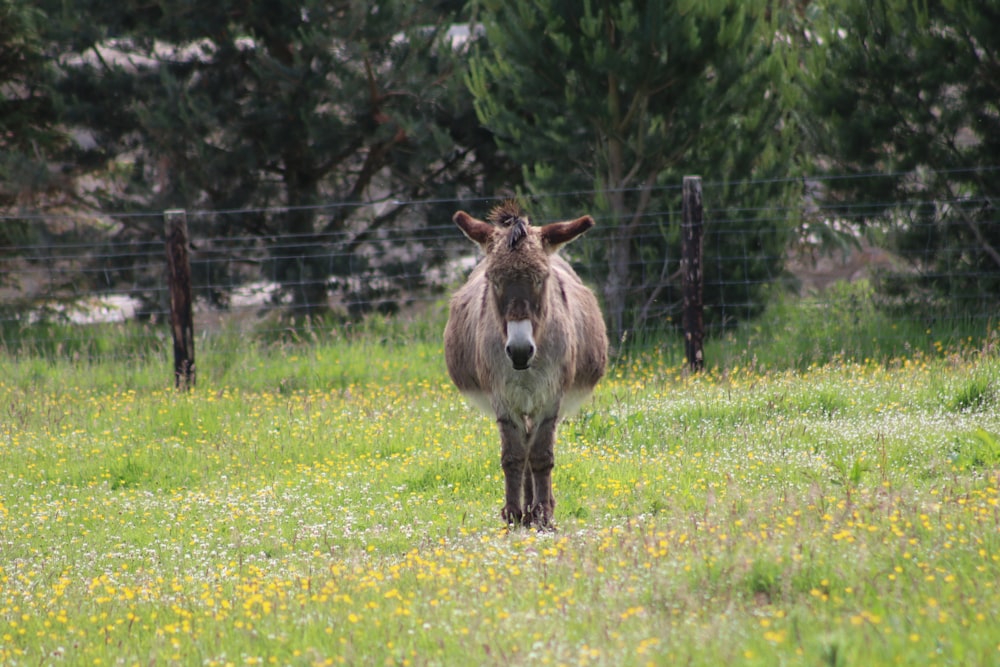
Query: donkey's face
[(517, 270), (517, 291)]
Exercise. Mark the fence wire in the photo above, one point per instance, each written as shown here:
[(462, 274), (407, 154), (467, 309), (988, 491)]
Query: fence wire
[(85, 270)]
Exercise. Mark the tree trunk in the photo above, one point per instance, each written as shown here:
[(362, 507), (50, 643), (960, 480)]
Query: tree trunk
[(620, 245), (616, 286), (303, 270), (301, 257)]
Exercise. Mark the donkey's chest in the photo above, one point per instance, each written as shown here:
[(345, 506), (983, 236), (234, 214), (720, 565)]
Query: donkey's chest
[(533, 392)]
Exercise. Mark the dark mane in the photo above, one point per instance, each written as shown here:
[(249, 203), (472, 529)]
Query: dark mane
[(508, 214), (518, 231)]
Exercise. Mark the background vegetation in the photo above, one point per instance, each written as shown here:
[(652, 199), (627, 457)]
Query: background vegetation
[(326, 141)]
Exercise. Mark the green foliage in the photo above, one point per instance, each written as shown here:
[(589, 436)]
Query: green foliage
[(243, 107), (29, 132), (55, 340), (616, 101), (979, 393), (977, 451), (764, 579), (907, 89), (848, 321)]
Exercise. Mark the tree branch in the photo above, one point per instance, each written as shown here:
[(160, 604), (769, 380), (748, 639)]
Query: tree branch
[(978, 233), (644, 197)]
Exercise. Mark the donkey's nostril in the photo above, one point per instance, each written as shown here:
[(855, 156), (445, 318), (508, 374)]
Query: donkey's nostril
[(520, 355)]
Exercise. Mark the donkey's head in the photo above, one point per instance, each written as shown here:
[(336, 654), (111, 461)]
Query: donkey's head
[(517, 270)]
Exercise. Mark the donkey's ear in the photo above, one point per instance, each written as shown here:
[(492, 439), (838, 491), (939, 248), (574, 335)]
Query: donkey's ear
[(477, 231), (558, 234)]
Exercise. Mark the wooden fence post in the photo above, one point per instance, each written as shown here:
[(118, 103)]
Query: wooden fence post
[(181, 311), (692, 230)]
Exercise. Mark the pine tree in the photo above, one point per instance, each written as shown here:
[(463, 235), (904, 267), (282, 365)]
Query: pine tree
[(236, 105), (911, 91), (618, 100), (29, 134)]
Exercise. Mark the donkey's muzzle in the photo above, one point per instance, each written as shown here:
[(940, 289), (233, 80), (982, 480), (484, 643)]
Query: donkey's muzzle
[(520, 357), (520, 347)]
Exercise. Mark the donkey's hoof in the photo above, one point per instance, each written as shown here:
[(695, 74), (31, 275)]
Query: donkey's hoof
[(540, 517), (512, 514)]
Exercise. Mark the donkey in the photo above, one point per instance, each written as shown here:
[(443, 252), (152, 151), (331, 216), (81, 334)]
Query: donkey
[(525, 341)]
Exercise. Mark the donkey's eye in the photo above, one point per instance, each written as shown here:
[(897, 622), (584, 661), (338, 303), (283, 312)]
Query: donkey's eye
[(497, 287)]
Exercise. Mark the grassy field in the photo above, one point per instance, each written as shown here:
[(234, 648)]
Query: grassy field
[(338, 504)]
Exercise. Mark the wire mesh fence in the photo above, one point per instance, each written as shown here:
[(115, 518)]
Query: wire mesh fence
[(920, 260)]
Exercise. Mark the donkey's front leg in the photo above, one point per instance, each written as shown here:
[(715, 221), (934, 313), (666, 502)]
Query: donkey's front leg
[(541, 460), (529, 490), (512, 458)]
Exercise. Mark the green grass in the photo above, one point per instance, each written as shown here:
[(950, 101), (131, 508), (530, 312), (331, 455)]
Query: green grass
[(847, 322), (334, 502)]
